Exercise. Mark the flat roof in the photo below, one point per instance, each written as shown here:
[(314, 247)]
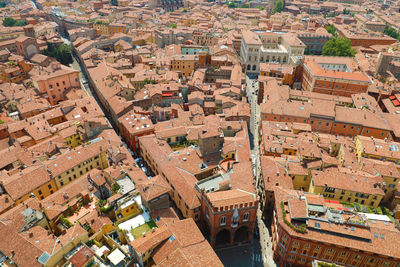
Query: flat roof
[(126, 185), (116, 257)]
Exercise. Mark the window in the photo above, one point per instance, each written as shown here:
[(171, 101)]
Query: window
[(246, 217), (235, 220), (61, 183), (51, 191), (49, 186), (222, 221), (40, 192)]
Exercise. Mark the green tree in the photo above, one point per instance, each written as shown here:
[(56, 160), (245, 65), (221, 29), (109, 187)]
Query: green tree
[(232, 5), (340, 47), (391, 32), (63, 53), (184, 10), (21, 22), (331, 29), (8, 22), (148, 81), (114, 2), (245, 6), (173, 25), (278, 6), (261, 8), (3, 4)]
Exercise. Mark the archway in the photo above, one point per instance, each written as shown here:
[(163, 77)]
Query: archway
[(241, 234), (223, 238)]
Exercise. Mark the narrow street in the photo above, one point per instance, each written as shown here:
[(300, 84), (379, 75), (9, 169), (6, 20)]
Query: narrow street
[(87, 88), (252, 87)]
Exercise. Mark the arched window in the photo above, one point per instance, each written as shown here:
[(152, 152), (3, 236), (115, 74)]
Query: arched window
[(254, 67), (222, 221), (246, 217), (248, 67)]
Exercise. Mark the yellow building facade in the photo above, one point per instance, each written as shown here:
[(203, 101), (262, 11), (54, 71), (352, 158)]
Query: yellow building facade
[(41, 192), (99, 161), (185, 64), (347, 195), (128, 208)]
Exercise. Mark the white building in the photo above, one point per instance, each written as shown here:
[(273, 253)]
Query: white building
[(268, 47)]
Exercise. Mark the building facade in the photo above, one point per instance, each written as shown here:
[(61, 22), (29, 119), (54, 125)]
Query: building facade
[(268, 47)]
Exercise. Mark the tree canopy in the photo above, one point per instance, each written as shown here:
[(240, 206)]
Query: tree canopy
[(331, 29), (391, 32), (278, 6), (340, 47), (62, 53), (10, 22), (173, 25), (232, 5), (346, 11), (114, 2)]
